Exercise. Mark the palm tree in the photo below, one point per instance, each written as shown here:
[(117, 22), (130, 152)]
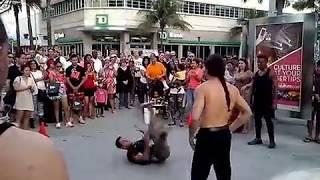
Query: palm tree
[(305, 4), (16, 6), (164, 14), (243, 26), (280, 4), (31, 3)]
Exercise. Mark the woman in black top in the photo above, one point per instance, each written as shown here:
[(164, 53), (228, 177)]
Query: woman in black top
[(124, 83)]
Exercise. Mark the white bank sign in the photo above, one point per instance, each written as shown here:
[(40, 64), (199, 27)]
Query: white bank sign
[(166, 35)]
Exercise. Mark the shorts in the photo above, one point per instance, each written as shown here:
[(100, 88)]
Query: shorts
[(55, 98), (89, 92), (99, 105)]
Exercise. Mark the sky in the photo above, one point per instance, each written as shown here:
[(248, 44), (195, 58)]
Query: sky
[(9, 22)]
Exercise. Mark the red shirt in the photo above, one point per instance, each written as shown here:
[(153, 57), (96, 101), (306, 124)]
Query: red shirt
[(194, 78), (90, 81)]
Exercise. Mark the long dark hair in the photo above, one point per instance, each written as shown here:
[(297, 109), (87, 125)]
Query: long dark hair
[(246, 63), (215, 67)]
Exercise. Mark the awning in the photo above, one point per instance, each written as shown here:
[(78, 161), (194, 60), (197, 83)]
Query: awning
[(217, 43), (67, 40)]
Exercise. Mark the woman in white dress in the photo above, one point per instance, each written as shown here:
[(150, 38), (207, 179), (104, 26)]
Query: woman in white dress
[(25, 87)]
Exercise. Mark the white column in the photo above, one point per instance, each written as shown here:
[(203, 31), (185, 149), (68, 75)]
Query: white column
[(154, 40), (212, 50), (87, 43), (272, 8), (180, 51), (125, 42)]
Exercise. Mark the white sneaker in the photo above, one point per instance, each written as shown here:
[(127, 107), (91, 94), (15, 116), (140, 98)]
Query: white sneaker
[(69, 124), (58, 125), (81, 121)]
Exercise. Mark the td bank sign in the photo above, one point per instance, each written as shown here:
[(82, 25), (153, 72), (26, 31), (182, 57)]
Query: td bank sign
[(102, 20), (170, 35)]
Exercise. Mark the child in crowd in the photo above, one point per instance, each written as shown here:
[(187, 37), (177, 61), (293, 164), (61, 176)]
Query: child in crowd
[(101, 99)]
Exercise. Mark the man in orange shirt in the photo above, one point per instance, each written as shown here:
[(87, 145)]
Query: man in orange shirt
[(156, 73)]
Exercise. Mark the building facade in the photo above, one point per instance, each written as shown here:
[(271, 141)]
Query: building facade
[(112, 24)]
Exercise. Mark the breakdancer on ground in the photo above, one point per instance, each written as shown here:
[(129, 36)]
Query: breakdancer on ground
[(153, 147)]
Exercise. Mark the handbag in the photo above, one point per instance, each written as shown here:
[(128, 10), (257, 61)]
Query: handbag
[(77, 104), (53, 89), (42, 95)]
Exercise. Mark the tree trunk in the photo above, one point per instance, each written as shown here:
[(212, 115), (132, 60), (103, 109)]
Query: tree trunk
[(161, 39), (244, 37), (29, 27), (49, 23), (16, 16), (280, 6)]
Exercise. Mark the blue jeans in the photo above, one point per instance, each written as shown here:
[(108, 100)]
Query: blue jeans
[(190, 100), (124, 99)]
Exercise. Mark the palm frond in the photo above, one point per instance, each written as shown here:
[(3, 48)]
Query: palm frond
[(150, 18), (175, 21), (304, 4), (236, 30), (259, 1), (164, 13), (36, 3)]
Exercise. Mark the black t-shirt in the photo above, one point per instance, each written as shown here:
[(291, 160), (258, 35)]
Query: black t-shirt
[(134, 149), (76, 74), (13, 72)]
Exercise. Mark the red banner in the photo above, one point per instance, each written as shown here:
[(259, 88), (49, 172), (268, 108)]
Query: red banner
[(282, 44)]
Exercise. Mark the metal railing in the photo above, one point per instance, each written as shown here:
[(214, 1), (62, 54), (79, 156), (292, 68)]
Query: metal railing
[(187, 7)]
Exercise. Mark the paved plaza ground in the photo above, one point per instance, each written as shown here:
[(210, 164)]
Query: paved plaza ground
[(91, 154)]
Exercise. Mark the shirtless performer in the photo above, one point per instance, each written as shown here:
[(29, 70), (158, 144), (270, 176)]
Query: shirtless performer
[(152, 148), (25, 155), (210, 115)]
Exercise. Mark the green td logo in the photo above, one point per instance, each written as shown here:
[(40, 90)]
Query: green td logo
[(101, 20)]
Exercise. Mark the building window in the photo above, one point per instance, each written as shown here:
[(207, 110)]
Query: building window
[(186, 7), (207, 9), (112, 3), (142, 4), (149, 4), (104, 3), (135, 4), (227, 11), (218, 10), (76, 4), (202, 8), (236, 12), (129, 3), (81, 3), (231, 12), (119, 3), (191, 7), (196, 8), (222, 13)]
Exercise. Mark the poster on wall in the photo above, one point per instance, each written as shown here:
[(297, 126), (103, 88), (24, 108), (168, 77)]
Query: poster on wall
[(282, 44)]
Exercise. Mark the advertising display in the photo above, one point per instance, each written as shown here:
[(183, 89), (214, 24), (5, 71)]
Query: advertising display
[(282, 44)]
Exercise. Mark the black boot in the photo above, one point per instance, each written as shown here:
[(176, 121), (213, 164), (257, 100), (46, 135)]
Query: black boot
[(31, 123), (272, 145), (256, 141)]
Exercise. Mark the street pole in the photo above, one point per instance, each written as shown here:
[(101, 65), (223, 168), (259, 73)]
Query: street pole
[(49, 22), (35, 27), (198, 49)]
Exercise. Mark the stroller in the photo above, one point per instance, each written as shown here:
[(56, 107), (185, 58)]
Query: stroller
[(176, 102)]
